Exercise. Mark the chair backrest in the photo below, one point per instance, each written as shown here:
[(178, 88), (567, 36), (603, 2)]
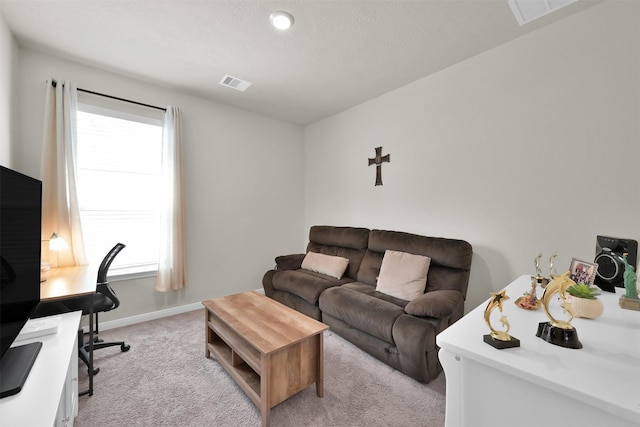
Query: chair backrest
[(103, 285), (106, 262)]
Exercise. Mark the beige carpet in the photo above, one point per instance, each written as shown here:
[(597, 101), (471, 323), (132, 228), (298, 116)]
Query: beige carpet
[(165, 380)]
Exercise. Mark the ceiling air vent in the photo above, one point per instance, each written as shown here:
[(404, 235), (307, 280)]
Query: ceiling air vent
[(526, 11), (235, 83)]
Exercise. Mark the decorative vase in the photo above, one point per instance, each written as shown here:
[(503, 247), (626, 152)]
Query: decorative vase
[(587, 308)]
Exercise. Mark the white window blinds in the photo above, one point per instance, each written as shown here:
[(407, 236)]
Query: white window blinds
[(119, 161)]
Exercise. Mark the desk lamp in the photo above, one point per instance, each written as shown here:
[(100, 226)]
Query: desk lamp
[(56, 244)]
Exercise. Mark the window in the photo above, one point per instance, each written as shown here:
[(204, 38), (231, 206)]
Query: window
[(119, 162)]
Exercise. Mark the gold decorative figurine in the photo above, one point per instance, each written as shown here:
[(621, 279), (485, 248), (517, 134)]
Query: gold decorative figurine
[(498, 339), (558, 332)]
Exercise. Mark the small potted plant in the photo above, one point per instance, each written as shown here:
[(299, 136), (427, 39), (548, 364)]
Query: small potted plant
[(584, 301)]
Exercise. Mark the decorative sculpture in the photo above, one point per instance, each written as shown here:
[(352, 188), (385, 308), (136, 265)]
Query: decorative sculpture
[(499, 339), (378, 160), (536, 261), (630, 279), (530, 299), (630, 299), (558, 332), (552, 260)]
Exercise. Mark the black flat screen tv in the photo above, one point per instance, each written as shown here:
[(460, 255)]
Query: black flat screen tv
[(20, 242)]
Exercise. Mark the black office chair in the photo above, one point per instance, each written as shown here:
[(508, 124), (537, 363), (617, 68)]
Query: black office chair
[(104, 299)]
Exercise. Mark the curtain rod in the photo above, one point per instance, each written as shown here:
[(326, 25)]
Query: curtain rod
[(54, 84)]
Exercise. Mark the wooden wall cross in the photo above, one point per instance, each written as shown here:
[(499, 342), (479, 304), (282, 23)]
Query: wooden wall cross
[(377, 160)]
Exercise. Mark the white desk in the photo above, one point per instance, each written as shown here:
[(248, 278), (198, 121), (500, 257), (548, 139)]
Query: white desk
[(50, 393), (65, 282), (541, 384)]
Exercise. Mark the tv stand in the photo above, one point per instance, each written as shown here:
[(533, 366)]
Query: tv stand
[(15, 367), (49, 396)]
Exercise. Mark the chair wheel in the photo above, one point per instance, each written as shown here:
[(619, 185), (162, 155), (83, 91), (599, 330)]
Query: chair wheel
[(124, 347)]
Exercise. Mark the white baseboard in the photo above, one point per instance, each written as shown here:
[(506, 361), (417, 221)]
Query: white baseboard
[(152, 316), (147, 316)]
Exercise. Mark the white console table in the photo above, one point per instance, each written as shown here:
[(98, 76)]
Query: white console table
[(50, 394), (541, 384)]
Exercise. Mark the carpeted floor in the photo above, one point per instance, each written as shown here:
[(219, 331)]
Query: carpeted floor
[(165, 380)]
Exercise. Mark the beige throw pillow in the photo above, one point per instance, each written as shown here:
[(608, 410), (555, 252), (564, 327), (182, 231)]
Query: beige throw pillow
[(403, 275), (333, 266)]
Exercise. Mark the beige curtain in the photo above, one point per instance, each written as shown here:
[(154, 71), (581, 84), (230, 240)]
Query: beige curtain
[(172, 263), (60, 213)]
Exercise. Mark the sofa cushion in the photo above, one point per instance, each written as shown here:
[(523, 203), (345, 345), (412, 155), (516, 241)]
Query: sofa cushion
[(450, 258), (333, 266), (305, 284), (363, 312), (403, 275), (439, 304), (345, 242), (371, 291)]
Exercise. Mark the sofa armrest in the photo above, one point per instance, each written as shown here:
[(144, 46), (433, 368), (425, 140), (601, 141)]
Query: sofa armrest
[(289, 262), (439, 304)]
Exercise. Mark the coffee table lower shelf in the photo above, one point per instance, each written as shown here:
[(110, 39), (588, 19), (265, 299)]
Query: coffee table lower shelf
[(241, 373)]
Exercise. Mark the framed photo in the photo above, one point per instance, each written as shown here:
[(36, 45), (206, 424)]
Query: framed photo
[(582, 271)]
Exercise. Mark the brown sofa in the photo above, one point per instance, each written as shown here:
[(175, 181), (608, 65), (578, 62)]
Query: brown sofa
[(398, 332)]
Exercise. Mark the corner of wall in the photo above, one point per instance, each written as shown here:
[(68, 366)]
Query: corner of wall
[(8, 59)]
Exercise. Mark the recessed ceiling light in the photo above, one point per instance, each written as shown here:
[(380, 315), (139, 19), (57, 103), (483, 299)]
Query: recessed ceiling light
[(281, 20)]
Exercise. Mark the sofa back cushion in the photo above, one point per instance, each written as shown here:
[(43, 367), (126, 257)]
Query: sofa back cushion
[(333, 266), (450, 258), (345, 242), (403, 275)]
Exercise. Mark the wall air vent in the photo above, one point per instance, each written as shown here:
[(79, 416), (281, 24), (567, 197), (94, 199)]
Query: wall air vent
[(526, 11), (235, 83)]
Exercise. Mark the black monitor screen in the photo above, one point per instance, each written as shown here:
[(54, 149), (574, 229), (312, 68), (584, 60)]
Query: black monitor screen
[(20, 240)]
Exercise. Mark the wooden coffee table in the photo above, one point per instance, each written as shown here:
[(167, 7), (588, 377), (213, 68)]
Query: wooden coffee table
[(269, 349)]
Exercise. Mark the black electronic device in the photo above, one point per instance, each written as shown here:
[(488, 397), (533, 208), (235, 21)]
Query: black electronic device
[(20, 242), (609, 257)]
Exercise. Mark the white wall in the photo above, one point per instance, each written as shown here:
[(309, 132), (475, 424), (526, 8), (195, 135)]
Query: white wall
[(530, 147), (522, 149), (9, 61), (243, 172)]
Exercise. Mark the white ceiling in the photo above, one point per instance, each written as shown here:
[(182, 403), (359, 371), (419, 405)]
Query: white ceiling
[(337, 55)]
